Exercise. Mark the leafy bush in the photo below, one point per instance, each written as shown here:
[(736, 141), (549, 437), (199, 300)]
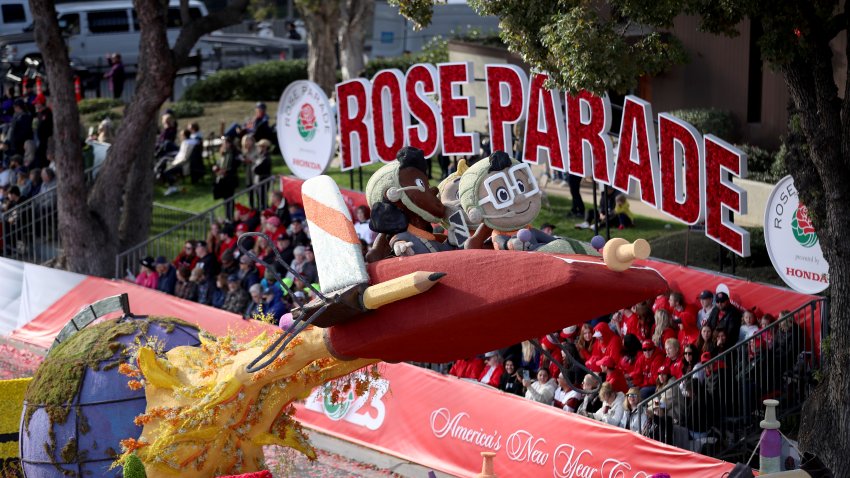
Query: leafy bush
[(92, 105), (187, 109), (106, 114), (717, 122), (262, 81), (765, 166)]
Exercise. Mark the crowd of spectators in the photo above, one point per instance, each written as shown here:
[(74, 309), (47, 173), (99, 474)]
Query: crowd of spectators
[(26, 152), (641, 350), (214, 271)]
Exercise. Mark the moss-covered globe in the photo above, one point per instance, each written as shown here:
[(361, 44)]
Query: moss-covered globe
[(79, 407)]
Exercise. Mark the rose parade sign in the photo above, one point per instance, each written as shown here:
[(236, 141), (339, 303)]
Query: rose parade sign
[(792, 241), (675, 169), (306, 129)]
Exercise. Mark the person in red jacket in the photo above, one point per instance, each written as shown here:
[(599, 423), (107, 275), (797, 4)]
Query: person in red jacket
[(684, 319), (646, 368), (607, 344), (492, 370), (612, 375), (467, 368)]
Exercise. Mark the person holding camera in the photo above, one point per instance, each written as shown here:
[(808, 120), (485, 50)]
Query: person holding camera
[(542, 390)]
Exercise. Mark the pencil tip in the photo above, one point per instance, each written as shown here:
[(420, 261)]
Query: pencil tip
[(434, 277)]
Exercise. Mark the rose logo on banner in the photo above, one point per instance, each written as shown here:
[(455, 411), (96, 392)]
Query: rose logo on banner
[(802, 227), (307, 122), (792, 241), (367, 410), (336, 411)]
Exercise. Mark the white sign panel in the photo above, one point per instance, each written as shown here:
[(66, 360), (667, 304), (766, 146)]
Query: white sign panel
[(792, 241), (306, 129)]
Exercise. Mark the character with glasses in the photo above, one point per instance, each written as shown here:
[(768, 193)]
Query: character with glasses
[(502, 194)]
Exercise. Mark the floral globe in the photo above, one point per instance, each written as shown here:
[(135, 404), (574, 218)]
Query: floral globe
[(79, 407)]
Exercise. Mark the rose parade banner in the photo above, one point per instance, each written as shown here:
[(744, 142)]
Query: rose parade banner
[(444, 423)]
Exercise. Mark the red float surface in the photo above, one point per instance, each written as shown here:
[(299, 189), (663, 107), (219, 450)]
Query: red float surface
[(488, 300)]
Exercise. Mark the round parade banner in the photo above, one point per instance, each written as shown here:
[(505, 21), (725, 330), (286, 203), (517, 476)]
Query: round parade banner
[(306, 129), (792, 241)]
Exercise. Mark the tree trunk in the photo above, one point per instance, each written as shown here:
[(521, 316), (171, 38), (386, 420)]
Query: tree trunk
[(137, 213), (322, 20), (823, 183), (355, 17), (81, 233)]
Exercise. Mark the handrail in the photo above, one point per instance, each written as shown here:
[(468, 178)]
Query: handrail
[(721, 402), (728, 352), (188, 222)]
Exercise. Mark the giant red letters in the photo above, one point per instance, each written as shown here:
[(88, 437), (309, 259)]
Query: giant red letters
[(387, 98), (455, 108), (353, 104), (422, 80), (682, 169), (505, 85), (637, 155), (678, 172), (721, 159), (588, 123), (544, 126)]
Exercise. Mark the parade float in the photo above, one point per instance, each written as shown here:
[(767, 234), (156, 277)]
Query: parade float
[(184, 403)]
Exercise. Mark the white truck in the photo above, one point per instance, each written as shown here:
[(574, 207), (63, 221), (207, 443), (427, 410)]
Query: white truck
[(93, 30)]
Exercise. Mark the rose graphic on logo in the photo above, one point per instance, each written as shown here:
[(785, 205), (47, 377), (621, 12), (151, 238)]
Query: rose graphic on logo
[(307, 122), (801, 227), (336, 410)]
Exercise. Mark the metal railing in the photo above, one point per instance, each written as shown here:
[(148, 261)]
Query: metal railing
[(716, 408), (165, 217), (170, 242), (31, 229)]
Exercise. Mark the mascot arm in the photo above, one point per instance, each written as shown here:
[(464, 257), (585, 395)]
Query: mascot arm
[(477, 240), (380, 249)]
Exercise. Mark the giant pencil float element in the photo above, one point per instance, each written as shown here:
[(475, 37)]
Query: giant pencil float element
[(487, 300)]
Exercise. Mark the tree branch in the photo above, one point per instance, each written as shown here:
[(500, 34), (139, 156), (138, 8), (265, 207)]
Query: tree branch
[(836, 25), (185, 17), (195, 29)]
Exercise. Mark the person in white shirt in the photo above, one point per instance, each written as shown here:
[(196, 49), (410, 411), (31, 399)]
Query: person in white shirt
[(706, 300), (749, 327), (612, 405), (543, 389), (5, 175), (361, 225)]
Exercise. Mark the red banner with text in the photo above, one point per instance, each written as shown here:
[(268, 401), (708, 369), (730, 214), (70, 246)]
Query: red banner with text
[(444, 423)]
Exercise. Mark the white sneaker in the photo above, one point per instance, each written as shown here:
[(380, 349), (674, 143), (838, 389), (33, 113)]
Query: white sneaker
[(171, 190), (583, 225)]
